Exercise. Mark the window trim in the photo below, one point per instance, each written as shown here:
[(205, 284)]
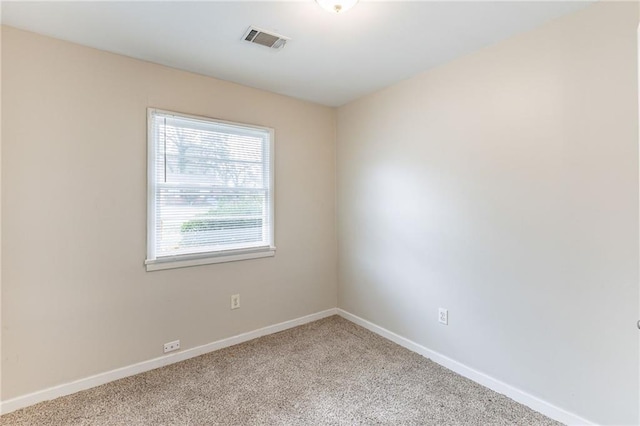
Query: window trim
[(153, 263)]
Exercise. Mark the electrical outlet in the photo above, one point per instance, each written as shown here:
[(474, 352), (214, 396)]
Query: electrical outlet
[(443, 316), (172, 346), (235, 301)]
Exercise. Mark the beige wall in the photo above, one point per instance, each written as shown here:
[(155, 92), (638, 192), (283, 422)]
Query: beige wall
[(0, 216), (77, 299), (504, 187)]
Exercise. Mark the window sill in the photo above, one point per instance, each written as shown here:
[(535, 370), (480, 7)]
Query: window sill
[(183, 262)]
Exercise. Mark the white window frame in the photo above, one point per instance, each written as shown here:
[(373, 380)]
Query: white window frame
[(153, 263)]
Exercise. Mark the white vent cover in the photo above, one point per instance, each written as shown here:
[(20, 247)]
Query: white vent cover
[(265, 38)]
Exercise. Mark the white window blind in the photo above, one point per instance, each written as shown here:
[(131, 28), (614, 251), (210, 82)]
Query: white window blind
[(210, 191)]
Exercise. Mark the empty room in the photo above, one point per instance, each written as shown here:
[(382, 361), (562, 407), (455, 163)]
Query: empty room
[(317, 212)]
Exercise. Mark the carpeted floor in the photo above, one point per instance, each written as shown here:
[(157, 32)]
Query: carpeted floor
[(327, 372)]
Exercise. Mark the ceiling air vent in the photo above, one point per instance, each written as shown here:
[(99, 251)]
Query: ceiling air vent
[(265, 38)]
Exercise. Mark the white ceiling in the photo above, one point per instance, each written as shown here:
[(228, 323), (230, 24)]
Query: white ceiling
[(331, 59)]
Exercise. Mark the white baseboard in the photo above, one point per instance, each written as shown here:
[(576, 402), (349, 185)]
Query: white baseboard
[(109, 376), (516, 394)]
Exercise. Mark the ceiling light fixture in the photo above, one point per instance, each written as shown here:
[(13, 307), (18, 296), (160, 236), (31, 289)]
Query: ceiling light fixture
[(337, 6)]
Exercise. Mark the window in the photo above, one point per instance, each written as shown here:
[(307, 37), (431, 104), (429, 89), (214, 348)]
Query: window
[(210, 191)]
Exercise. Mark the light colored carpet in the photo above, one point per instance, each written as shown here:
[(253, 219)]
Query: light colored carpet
[(327, 372)]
